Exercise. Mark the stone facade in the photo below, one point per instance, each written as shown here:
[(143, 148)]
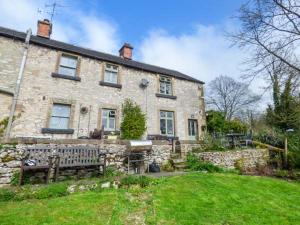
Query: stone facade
[(39, 90), (250, 158)]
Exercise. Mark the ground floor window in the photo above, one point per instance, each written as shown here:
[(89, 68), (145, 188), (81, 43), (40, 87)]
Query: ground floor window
[(167, 123), (109, 119), (60, 116), (193, 128)]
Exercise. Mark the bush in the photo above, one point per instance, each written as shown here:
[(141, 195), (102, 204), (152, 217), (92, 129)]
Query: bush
[(16, 177), (168, 167), (133, 125), (6, 194), (195, 164), (112, 172), (142, 181), (52, 190)]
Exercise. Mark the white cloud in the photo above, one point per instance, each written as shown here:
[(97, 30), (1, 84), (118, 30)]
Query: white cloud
[(203, 54), (69, 25)]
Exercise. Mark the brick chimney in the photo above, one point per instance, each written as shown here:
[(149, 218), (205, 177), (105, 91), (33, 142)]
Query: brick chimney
[(44, 28), (126, 51)]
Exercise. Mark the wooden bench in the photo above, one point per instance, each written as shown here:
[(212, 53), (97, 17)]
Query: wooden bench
[(42, 159), (79, 156)]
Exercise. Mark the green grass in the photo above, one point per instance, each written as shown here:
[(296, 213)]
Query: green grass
[(195, 198)]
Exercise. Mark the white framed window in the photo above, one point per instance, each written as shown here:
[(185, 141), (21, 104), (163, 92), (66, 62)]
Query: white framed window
[(111, 74), (109, 119), (68, 65), (167, 123), (60, 116), (165, 85)]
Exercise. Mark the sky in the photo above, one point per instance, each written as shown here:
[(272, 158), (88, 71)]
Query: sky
[(185, 35)]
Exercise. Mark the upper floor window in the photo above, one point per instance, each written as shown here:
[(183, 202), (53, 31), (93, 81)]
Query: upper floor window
[(109, 119), (165, 85), (60, 116), (167, 123), (111, 74), (68, 65)]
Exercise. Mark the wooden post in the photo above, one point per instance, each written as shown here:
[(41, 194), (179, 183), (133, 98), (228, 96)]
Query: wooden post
[(285, 152)]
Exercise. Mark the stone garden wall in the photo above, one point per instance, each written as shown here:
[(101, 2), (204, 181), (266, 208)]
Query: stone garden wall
[(11, 155), (249, 158)]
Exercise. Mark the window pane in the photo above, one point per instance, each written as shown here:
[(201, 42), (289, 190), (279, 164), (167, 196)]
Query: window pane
[(168, 89), (59, 110), (170, 114), (59, 123), (170, 127), (104, 123), (162, 114), (111, 123), (105, 113), (67, 71), (111, 77), (68, 61), (163, 126)]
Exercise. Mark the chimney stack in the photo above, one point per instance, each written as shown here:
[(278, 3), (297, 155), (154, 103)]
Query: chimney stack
[(44, 28), (126, 51)]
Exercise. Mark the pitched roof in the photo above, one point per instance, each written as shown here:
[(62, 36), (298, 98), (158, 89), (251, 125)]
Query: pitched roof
[(49, 43)]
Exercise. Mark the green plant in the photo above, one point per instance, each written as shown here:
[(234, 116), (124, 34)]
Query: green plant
[(142, 181), (168, 167), (53, 190), (16, 177), (239, 164), (195, 164), (112, 172), (133, 125), (6, 194)]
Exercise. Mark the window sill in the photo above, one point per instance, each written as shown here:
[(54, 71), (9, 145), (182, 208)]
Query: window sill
[(165, 96), (57, 131), (102, 83), (107, 132), (57, 75)]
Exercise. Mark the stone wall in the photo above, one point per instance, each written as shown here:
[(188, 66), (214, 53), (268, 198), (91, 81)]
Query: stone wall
[(249, 158), (11, 155)]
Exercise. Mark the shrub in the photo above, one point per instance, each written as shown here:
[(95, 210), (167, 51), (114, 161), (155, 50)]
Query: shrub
[(142, 181), (195, 164), (168, 167), (133, 125), (239, 164), (6, 194), (16, 177), (52, 190), (112, 172)]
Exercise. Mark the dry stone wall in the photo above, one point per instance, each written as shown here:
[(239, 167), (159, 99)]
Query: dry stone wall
[(11, 155), (249, 158)]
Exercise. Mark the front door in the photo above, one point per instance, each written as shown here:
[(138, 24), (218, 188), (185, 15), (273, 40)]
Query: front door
[(193, 129)]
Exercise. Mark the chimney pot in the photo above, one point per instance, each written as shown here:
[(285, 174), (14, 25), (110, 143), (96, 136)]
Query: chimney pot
[(44, 28), (126, 51)]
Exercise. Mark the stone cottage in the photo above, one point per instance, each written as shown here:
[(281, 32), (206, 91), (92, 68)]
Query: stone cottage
[(60, 91)]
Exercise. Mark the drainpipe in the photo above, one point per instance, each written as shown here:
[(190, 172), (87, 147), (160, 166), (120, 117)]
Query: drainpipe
[(18, 84)]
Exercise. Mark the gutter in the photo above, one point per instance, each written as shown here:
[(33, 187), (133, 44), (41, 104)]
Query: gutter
[(18, 84)]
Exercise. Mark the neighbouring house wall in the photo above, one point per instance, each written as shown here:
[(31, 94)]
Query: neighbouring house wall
[(250, 158), (39, 90), (5, 104)]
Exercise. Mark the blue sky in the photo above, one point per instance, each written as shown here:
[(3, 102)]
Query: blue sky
[(186, 35)]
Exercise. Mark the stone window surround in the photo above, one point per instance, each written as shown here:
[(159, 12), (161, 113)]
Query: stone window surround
[(159, 95), (70, 129), (109, 106), (103, 83), (58, 75), (174, 119)]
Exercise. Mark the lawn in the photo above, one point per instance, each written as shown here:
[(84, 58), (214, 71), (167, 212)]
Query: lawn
[(195, 198)]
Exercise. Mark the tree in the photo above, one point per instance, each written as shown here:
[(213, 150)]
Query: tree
[(270, 29), (133, 125), (229, 96)]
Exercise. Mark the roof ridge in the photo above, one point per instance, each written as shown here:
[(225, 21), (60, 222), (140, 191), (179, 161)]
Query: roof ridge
[(52, 43)]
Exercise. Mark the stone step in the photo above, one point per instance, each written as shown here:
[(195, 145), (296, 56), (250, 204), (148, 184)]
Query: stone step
[(178, 161), (175, 155), (180, 167)]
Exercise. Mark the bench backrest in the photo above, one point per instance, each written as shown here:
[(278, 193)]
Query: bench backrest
[(79, 156), (39, 154)]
